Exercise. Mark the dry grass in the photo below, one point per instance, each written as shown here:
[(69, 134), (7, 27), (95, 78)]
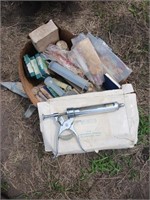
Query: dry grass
[(27, 169)]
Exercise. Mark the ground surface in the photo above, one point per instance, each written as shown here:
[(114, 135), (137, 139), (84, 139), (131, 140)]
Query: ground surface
[(29, 172)]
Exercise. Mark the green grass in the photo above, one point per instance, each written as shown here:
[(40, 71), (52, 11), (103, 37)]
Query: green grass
[(133, 9), (56, 186), (37, 194), (128, 161), (85, 174), (134, 174), (140, 11), (105, 164), (143, 127), (4, 186)]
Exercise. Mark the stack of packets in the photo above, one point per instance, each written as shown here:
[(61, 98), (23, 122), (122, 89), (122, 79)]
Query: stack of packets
[(90, 64), (36, 66)]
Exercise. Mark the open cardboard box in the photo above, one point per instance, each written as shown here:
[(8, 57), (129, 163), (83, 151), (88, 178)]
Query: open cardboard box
[(114, 130)]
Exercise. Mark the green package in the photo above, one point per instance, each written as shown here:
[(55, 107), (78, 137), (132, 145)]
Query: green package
[(29, 65), (42, 64), (35, 67)]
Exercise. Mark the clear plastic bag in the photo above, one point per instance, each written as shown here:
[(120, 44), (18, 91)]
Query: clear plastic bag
[(54, 53), (88, 60), (81, 63), (78, 38), (113, 65)]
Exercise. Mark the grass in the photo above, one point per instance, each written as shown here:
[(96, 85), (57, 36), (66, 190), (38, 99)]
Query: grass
[(4, 187), (56, 186), (105, 164), (128, 161), (143, 127), (134, 175), (133, 9), (140, 10)]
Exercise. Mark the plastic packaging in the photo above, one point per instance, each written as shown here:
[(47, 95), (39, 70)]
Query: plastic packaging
[(112, 63), (42, 64), (29, 65), (78, 39), (89, 61), (54, 53), (69, 75), (63, 85), (35, 67), (50, 83), (51, 91), (81, 62)]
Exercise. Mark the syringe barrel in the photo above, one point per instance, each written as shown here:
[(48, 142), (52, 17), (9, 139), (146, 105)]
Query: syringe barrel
[(94, 109)]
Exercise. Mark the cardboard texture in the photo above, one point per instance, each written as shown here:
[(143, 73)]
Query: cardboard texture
[(44, 35), (114, 130)]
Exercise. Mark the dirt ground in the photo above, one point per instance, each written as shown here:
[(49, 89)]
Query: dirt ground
[(26, 170)]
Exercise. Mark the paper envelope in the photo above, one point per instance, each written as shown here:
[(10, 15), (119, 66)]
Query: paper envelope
[(112, 130)]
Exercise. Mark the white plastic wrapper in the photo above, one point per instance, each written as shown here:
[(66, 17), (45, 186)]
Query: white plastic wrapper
[(88, 59), (112, 64), (114, 130), (54, 53)]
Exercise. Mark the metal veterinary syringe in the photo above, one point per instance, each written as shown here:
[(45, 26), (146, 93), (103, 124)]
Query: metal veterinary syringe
[(71, 113)]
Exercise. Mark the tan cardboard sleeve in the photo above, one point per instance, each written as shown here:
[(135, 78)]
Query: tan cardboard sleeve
[(114, 130)]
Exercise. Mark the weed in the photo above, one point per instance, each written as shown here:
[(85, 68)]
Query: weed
[(145, 8), (134, 174), (4, 186), (105, 164), (37, 194), (57, 186), (143, 126), (140, 11), (133, 10), (84, 174), (127, 160)]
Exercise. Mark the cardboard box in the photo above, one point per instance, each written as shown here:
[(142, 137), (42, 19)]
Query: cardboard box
[(44, 35), (113, 130)]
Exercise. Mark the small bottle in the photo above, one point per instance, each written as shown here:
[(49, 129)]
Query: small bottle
[(50, 83)]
